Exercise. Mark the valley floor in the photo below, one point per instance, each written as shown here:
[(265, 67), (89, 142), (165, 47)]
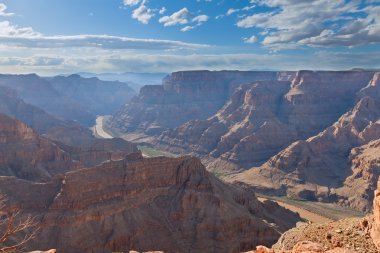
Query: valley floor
[(315, 212)]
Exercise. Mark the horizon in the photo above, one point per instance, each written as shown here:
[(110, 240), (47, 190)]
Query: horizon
[(143, 36)]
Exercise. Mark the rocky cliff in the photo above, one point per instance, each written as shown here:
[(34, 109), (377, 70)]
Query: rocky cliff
[(183, 96), (169, 204), (262, 118), (375, 233), (27, 155), (340, 164)]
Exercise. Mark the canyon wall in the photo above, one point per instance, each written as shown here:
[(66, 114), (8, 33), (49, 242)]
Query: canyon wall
[(183, 96), (27, 155), (264, 117), (169, 204), (340, 164)]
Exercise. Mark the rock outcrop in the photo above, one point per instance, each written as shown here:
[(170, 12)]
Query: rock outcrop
[(262, 118), (27, 155), (183, 96), (168, 204), (340, 164), (375, 233)]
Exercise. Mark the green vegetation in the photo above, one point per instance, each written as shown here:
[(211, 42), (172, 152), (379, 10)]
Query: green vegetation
[(151, 152), (331, 211)]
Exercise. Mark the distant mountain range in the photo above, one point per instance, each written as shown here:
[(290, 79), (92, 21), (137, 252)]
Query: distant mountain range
[(134, 80)]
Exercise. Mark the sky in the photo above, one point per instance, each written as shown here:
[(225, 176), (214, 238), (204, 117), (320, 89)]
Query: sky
[(51, 37)]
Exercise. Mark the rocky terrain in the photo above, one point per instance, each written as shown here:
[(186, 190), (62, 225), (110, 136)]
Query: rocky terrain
[(344, 236), (27, 155), (340, 164), (262, 118), (308, 134), (375, 233), (69, 98), (169, 204), (103, 196), (183, 96)]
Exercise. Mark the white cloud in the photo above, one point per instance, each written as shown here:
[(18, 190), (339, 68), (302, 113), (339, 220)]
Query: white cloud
[(316, 23), (179, 17), (231, 11), (250, 40), (9, 30), (142, 14), (200, 19), (3, 12), (69, 62), (162, 10), (131, 2), (11, 35)]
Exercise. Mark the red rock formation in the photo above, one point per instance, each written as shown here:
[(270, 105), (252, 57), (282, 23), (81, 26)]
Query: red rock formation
[(322, 167), (375, 233), (262, 118), (183, 96), (27, 155), (168, 204)]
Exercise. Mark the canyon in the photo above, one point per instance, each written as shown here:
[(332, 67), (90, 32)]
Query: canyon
[(123, 201), (308, 135)]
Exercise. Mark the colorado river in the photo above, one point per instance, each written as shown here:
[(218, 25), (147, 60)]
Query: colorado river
[(98, 129)]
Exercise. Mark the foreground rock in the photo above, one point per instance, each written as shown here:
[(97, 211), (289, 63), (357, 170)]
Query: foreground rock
[(344, 236), (375, 233), (168, 204)]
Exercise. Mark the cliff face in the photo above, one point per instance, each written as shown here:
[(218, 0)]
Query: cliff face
[(339, 164), (14, 106), (183, 96), (169, 204), (262, 118), (375, 233), (27, 155)]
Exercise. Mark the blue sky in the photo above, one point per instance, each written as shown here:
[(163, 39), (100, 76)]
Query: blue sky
[(65, 36)]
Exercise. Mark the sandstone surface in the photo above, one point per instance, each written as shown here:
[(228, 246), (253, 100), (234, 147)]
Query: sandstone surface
[(264, 117), (340, 164), (183, 96), (167, 204), (375, 233), (25, 154)]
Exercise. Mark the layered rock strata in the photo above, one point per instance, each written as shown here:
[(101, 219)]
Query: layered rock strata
[(262, 118), (168, 204), (183, 96)]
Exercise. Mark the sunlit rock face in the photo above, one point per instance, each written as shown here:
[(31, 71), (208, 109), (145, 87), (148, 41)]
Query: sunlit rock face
[(168, 204), (376, 226), (183, 96)]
